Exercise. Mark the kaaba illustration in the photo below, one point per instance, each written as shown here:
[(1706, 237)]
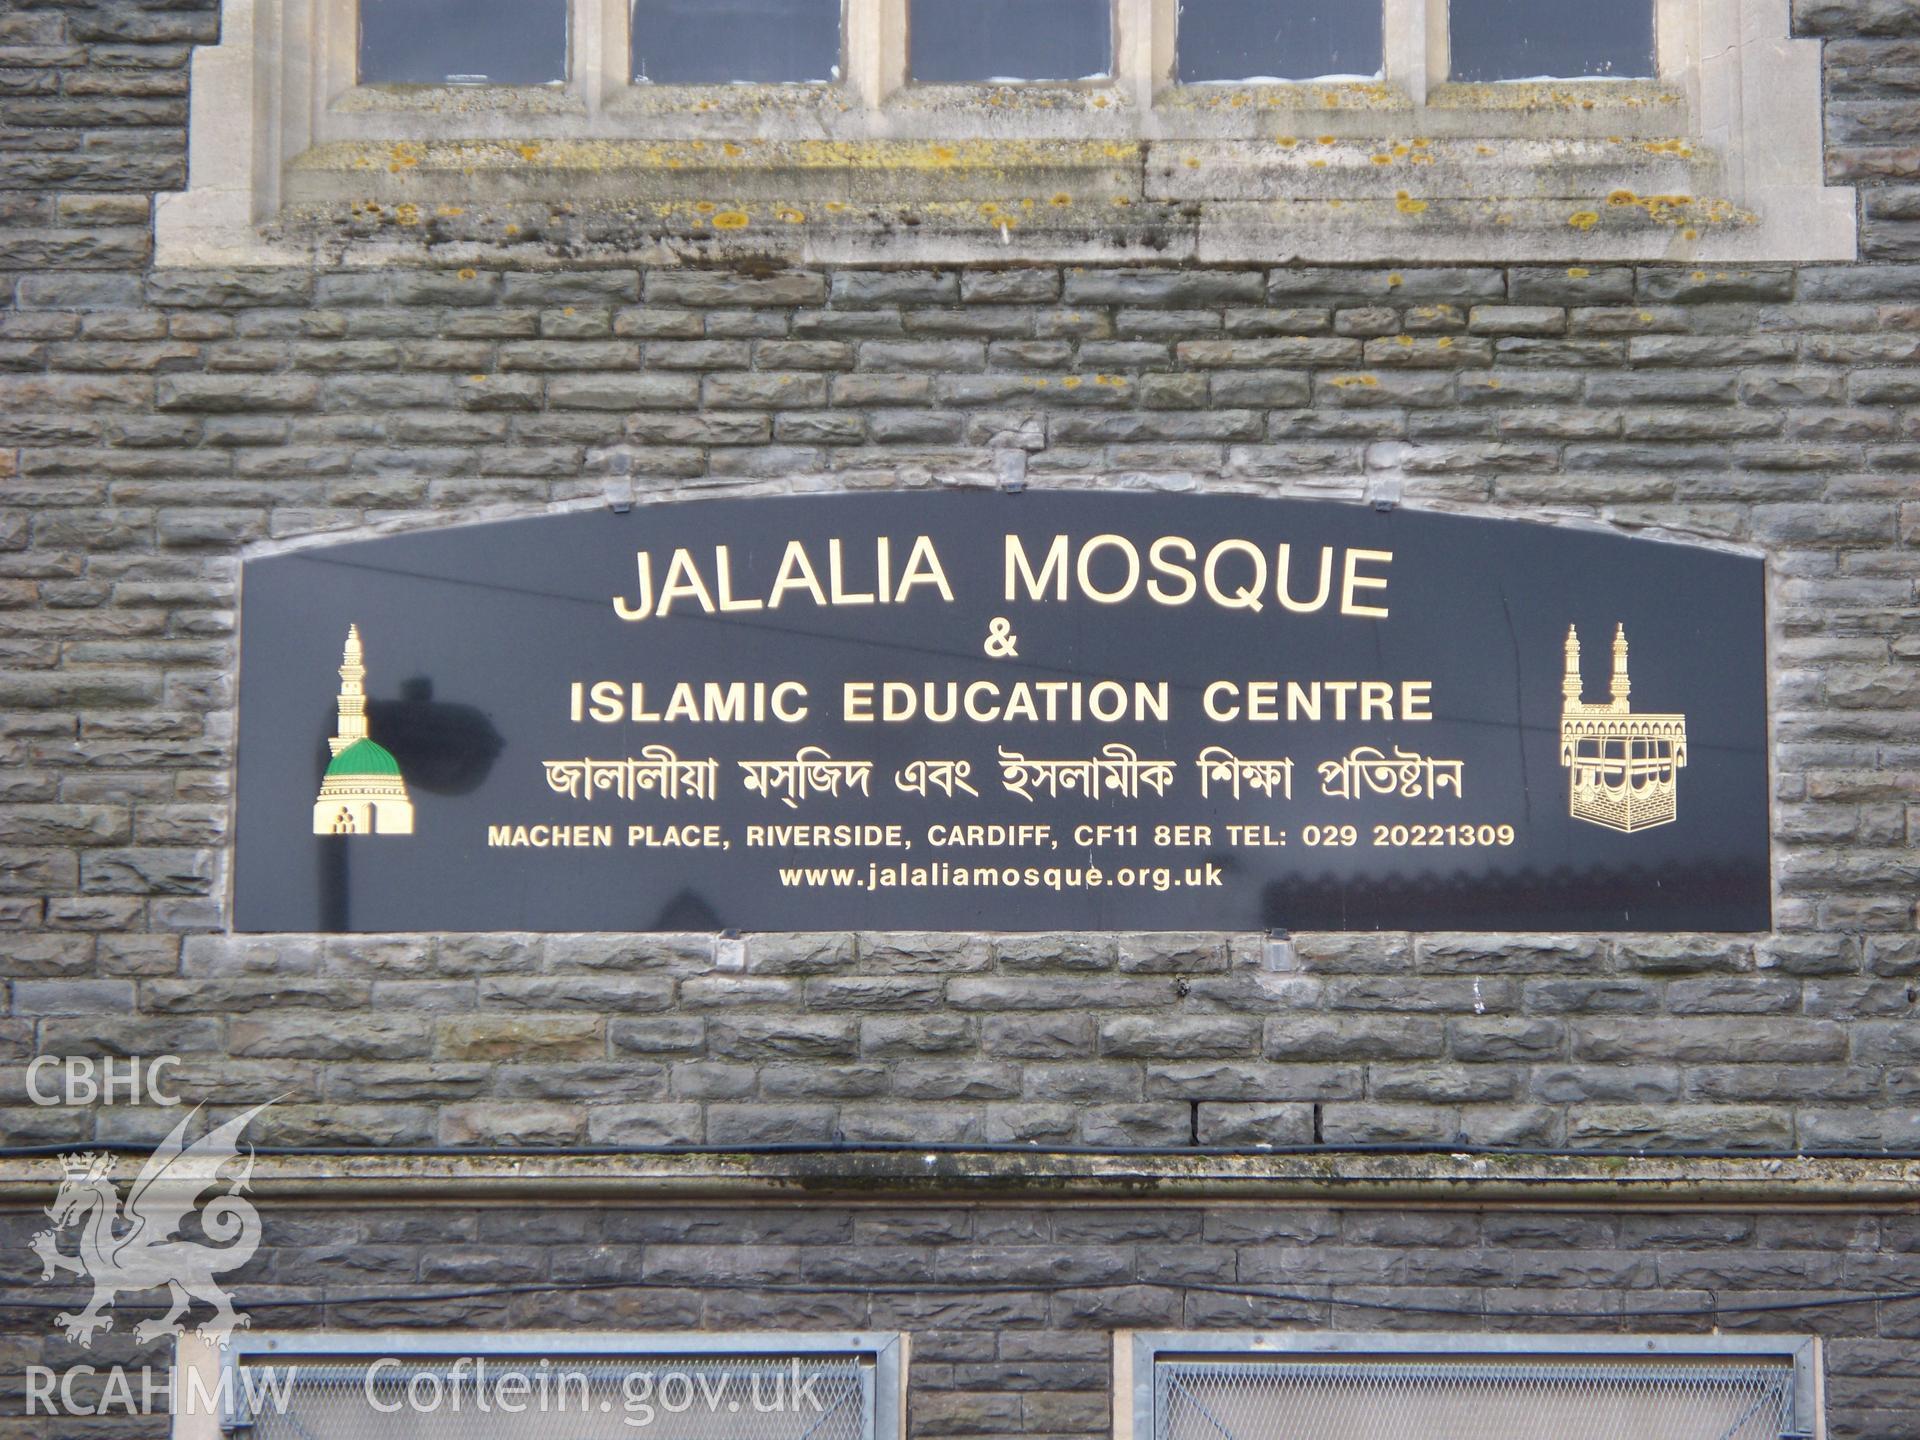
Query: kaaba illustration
[(1625, 767)]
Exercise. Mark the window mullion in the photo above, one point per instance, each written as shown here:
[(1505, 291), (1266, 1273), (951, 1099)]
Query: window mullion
[(1675, 38), (335, 67), (319, 62), (1166, 37), (596, 40), (875, 47), (1134, 25), (1409, 28)]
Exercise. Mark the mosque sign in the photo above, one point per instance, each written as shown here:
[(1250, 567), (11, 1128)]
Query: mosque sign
[(1051, 710)]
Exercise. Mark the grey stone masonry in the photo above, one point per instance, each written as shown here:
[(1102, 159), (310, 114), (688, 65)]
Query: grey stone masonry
[(1801, 1040), (154, 425), (1030, 1352)]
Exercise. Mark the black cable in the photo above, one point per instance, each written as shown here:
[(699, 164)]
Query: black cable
[(1047, 1287)]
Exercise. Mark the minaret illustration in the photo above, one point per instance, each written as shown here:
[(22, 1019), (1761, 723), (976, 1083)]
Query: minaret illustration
[(363, 793), (1625, 766)]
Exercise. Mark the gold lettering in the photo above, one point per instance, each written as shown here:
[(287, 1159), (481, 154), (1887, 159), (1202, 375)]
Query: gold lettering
[(836, 581), (723, 570), (1054, 569), (923, 568), (780, 706), (643, 562), (1283, 590), (681, 704), (1085, 569), (1189, 586), (1248, 597), (683, 580), (796, 573), (1354, 580), (606, 702)]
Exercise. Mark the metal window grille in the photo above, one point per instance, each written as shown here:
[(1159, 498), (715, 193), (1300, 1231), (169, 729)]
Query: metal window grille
[(1388, 1387), (567, 1387)]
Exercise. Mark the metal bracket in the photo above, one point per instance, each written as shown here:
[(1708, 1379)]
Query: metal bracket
[(1279, 954)]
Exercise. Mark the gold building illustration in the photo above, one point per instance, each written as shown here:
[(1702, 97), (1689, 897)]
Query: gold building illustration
[(1625, 767), (363, 792)]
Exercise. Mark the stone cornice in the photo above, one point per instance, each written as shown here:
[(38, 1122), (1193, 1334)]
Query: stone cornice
[(895, 1176)]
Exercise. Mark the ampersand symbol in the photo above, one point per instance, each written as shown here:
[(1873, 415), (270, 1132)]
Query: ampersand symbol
[(1002, 643)]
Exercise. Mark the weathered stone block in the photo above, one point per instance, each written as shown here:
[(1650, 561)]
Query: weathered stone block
[(668, 1124), (790, 1036), (311, 1037), (715, 287), (1139, 1124), (1179, 1037), (1223, 1123), (1732, 1127), (485, 1123), (661, 1035), (600, 993), (519, 1038), (1326, 1037)]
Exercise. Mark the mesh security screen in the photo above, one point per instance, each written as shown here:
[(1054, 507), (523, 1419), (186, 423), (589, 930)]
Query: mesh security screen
[(1564, 1398), (808, 1397)]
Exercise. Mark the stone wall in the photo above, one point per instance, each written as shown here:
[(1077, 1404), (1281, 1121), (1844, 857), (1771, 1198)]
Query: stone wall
[(1801, 1040), (152, 424), (1763, 407), (1030, 1354)]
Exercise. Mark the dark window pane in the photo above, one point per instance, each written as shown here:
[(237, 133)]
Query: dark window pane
[(1551, 39), (955, 41), (433, 42), (710, 42), (1277, 39)]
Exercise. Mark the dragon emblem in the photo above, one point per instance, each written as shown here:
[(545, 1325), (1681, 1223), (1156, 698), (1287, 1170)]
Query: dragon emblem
[(138, 1246)]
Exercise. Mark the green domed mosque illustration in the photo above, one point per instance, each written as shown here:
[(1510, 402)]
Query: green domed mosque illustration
[(363, 792)]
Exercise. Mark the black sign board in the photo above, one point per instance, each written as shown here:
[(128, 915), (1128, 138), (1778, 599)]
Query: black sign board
[(1051, 710)]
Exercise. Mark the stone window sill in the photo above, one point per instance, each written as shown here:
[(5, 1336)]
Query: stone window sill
[(458, 102), (1320, 199)]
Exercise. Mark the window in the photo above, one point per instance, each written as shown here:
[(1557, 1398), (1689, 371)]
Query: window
[(1269, 41), (715, 42), (493, 42), (1240, 1386), (520, 1386), (1010, 41), (928, 130), (1549, 39)]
